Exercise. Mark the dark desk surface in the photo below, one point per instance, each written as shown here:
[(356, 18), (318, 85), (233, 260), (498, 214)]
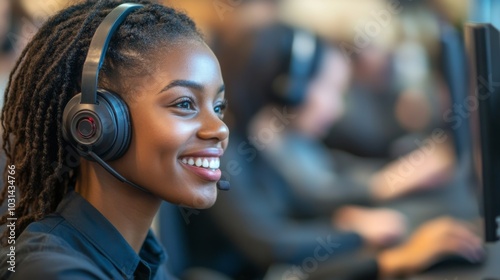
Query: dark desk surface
[(488, 270)]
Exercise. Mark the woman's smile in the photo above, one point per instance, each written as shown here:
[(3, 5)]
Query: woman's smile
[(178, 130), (204, 163)]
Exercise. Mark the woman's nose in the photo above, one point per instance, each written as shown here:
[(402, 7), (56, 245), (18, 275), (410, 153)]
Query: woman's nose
[(213, 127)]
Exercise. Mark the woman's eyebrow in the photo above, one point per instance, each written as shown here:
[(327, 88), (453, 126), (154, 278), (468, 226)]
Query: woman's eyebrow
[(188, 84), (222, 88), (183, 83)]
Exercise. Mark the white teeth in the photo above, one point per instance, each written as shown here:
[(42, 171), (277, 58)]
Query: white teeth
[(212, 163)]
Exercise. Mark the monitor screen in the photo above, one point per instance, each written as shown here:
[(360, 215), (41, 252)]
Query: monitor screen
[(483, 47)]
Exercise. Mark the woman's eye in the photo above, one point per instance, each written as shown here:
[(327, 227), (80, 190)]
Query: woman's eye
[(220, 108), (186, 104)]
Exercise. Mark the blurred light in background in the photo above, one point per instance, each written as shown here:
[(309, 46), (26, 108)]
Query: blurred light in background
[(486, 11)]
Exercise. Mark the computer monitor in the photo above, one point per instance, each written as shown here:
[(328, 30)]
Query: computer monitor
[(483, 48)]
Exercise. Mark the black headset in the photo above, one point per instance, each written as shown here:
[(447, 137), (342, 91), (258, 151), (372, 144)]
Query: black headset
[(96, 122), (290, 88)]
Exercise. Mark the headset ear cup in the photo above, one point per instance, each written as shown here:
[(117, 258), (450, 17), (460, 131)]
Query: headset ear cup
[(72, 112), (121, 127), (288, 90), (103, 128)]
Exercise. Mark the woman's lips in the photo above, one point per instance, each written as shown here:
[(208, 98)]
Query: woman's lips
[(205, 167)]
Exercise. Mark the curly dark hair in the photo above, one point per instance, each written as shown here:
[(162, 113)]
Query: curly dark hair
[(47, 75)]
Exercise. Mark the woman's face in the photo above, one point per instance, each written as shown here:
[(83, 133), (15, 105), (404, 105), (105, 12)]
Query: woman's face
[(178, 134)]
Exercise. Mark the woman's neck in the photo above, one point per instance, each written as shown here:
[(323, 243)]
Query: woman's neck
[(129, 210)]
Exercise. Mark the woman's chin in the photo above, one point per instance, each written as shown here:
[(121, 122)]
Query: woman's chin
[(206, 205), (205, 198), (203, 203)]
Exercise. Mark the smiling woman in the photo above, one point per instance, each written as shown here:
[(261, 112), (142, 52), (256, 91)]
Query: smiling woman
[(91, 168)]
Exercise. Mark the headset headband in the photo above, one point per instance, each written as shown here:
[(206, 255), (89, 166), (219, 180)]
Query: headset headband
[(98, 48), (303, 49)]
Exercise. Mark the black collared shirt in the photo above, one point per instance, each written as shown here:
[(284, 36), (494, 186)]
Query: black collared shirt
[(78, 242)]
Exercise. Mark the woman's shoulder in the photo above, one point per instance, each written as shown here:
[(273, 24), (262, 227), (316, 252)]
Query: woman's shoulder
[(49, 265), (41, 253)]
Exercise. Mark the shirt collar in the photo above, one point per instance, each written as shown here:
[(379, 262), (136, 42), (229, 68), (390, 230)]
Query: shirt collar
[(92, 224)]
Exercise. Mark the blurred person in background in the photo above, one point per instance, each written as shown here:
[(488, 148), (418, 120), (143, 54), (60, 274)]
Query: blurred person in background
[(397, 108), (265, 220), (401, 98), (19, 21), (398, 98), (389, 99)]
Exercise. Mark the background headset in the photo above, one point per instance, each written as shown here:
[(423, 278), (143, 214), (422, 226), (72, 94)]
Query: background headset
[(96, 122), (290, 88)]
